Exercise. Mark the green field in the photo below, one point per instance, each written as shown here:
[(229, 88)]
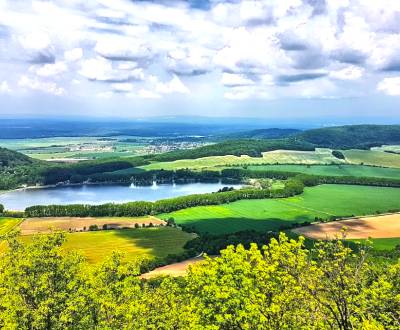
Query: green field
[(333, 170), (271, 214), (320, 156), (75, 147), (6, 224), (382, 244), (143, 242), (372, 157)]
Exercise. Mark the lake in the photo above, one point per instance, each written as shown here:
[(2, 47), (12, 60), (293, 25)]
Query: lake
[(18, 200)]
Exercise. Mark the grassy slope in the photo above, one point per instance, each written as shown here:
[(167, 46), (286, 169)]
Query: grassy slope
[(319, 156), (334, 170), (144, 242), (321, 201), (382, 244), (369, 157)]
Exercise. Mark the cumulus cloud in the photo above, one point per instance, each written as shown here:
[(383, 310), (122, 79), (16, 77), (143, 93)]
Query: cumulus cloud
[(175, 85), (241, 49), (4, 88), (42, 86), (390, 86)]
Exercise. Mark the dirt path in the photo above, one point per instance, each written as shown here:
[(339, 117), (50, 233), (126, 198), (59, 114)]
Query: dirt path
[(383, 226), (176, 269)]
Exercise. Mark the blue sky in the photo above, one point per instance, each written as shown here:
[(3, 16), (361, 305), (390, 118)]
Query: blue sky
[(250, 58)]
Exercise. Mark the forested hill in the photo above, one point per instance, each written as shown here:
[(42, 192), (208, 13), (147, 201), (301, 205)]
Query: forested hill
[(266, 133), (352, 136), (9, 158)]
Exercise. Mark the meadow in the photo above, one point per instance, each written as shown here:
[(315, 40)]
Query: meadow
[(323, 201), (381, 244), (372, 157), (319, 156), (143, 242), (333, 170)]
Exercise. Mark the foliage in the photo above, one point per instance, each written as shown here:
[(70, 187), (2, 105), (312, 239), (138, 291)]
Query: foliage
[(338, 154), (278, 286), (352, 136)]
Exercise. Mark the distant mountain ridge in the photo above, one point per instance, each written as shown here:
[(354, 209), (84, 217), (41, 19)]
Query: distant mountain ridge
[(264, 133)]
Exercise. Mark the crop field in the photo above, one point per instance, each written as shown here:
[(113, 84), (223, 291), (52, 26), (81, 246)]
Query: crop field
[(6, 224), (333, 170), (143, 242), (43, 225), (320, 156), (59, 148), (322, 201), (372, 157), (384, 226)]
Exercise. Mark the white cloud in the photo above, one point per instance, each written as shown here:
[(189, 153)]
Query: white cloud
[(175, 85), (122, 87), (348, 73), (35, 40), (73, 55), (35, 84), (102, 70), (146, 94), (4, 88), (50, 69), (390, 86), (233, 79)]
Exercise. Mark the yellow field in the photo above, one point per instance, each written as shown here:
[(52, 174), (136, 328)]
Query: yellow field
[(43, 225), (384, 226)]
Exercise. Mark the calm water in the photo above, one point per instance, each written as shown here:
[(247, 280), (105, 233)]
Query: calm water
[(99, 194)]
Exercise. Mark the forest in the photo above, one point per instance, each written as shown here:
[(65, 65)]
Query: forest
[(282, 285)]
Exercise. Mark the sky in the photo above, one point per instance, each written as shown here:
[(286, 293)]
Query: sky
[(302, 59)]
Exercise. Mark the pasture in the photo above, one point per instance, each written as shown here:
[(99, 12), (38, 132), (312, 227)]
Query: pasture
[(333, 170), (384, 226), (319, 156), (134, 243), (382, 244), (43, 225), (323, 201), (372, 157)]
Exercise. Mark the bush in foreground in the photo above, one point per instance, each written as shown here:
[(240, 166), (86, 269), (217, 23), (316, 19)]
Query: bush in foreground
[(279, 286)]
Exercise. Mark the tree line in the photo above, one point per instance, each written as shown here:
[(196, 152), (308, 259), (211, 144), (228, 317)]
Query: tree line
[(282, 285)]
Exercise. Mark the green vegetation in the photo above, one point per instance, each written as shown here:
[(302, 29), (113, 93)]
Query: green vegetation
[(7, 224), (382, 244), (332, 170), (352, 136), (279, 286), (371, 157), (142, 242), (322, 202)]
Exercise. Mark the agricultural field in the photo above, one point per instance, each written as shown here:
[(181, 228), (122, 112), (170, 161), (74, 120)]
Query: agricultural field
[(320, 156), (384, 226), (372, 157), (44, 225), (7, 224), (75, 148), (143, 242), (323, 201), (333, 170)]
